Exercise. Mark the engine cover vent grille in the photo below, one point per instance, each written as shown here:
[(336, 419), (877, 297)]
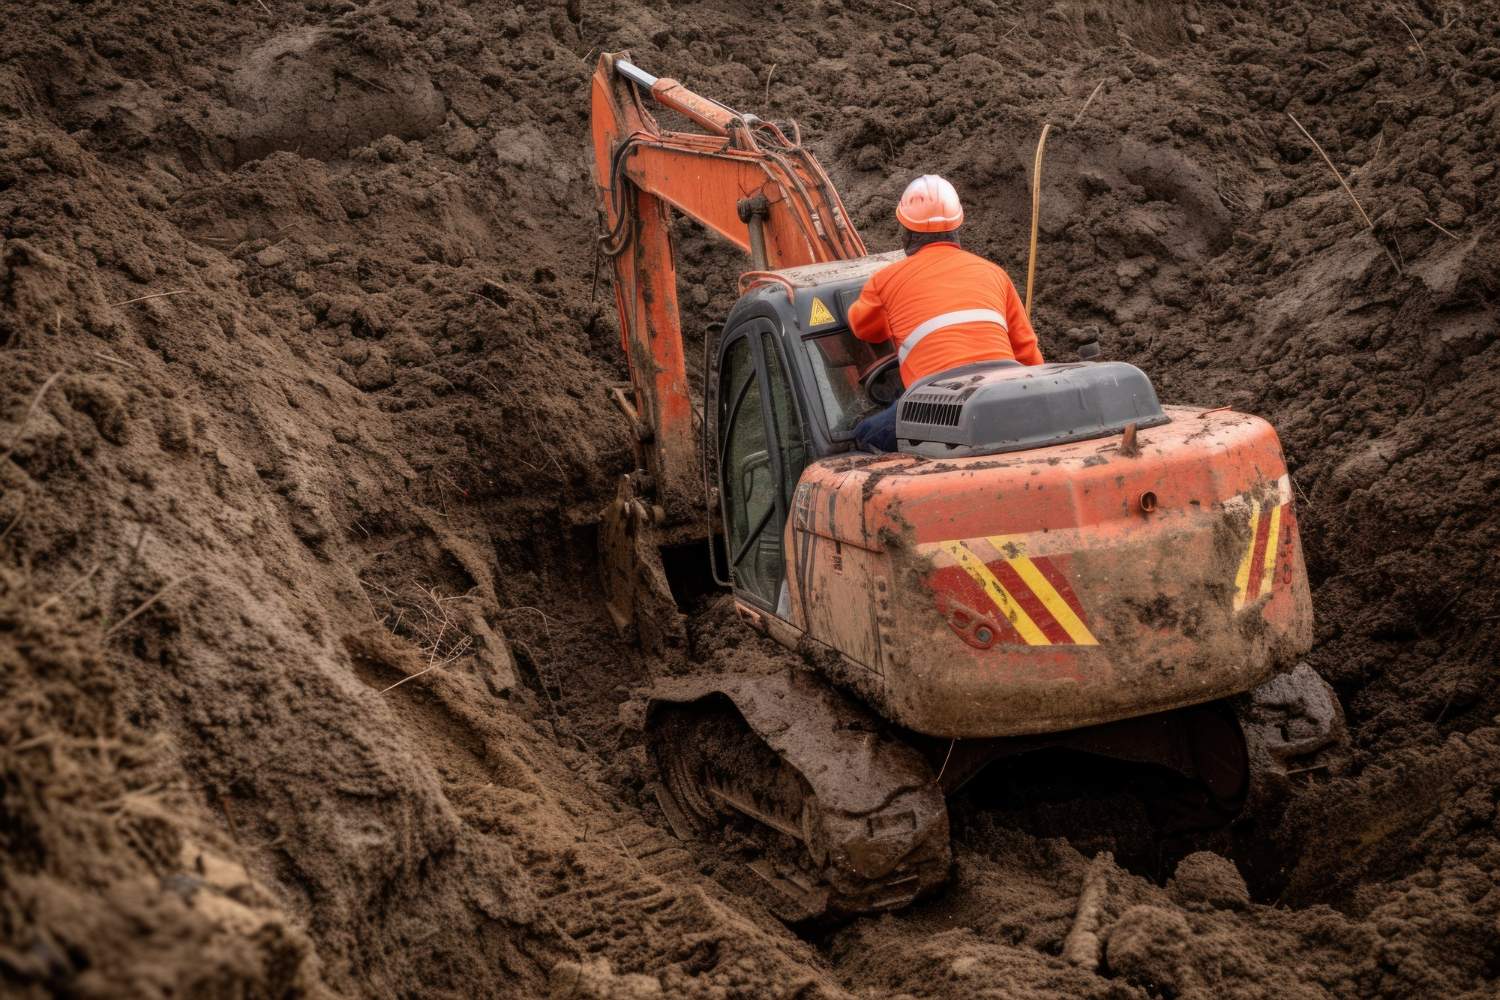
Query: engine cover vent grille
[(995, 407), (922, 408)]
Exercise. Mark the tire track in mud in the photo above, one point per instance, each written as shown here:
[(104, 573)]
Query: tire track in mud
[(623, 890)]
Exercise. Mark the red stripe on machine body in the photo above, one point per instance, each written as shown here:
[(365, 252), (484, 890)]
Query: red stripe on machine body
[(1030, 603), (1258, 554), (1060, 584), (958, 585)]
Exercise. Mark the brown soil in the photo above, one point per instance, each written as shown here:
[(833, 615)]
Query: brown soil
[(300, 394)]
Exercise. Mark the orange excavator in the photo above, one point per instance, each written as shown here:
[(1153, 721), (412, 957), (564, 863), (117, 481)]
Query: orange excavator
[(1051, 559)]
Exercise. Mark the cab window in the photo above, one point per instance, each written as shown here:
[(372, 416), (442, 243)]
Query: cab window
[(838, 359), (747, 480), (791, 443)]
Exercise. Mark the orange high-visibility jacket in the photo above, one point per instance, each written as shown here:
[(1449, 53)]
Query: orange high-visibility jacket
[(944, 307)]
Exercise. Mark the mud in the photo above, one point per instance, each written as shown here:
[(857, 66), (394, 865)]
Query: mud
[(308, 688)]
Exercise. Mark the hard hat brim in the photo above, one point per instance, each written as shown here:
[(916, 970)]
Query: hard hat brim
[(939, 224)]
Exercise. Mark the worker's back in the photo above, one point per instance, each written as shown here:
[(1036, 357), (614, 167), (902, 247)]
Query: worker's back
[(944, 307)]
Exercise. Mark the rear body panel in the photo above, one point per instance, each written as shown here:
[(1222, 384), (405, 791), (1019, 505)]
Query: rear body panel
[(1036, 592)]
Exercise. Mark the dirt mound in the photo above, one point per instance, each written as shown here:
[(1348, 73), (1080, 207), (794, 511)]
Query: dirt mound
[(308, 686), (92, 819), (322, 93)]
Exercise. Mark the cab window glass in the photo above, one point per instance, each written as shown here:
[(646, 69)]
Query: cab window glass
[(837, 360), (788, 429), (748, 488)]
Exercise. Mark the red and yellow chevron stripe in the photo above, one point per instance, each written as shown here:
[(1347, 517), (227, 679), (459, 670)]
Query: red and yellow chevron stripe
[(1270, 530), (1036, 605)]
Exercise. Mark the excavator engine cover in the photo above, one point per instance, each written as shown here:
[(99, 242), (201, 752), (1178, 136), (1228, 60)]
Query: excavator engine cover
[(996, 407)]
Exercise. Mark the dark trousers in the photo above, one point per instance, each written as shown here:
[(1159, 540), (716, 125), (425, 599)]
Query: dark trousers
[(877, 432)]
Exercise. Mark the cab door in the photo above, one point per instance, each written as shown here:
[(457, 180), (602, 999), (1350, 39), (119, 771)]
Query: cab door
[(762, 452)]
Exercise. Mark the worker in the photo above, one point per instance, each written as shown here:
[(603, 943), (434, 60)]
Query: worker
[(942, 307)]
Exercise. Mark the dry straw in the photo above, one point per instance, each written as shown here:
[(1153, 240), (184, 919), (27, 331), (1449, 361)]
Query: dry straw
[(1440, 229), (147, 603), (35, 402), (1347, 190), (1092, 94), (154, 295), (1420, 51)]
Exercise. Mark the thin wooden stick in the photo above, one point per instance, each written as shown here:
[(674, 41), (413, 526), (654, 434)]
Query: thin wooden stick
[(769, 73), (1095, 93), (35, 401), (903, 6), (1440, 229), (1036, 212), (146, 604), (1082, 946), (114, 360), (1347, 190), (154, 295), (69, 589), (14, 521)]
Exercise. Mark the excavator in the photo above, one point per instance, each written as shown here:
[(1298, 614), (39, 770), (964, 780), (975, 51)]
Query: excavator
[(1052, 559)]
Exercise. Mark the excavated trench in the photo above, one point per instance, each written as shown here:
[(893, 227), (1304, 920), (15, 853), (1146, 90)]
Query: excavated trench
[(308, 687)]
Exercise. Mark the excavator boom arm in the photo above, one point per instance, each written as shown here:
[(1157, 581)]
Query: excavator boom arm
[(741, 178)]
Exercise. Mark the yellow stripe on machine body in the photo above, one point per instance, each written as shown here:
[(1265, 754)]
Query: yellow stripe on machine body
[(1008, 605), (1268, 567), (1056, 606), (1242, 575)]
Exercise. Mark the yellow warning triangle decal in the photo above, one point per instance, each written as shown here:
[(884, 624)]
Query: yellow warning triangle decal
[(819, 314)]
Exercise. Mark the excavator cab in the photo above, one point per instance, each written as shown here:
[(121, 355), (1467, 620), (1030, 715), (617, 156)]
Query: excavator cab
[(791, 383)]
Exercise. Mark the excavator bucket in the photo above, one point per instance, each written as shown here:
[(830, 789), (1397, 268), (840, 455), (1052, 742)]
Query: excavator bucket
[(635, 581)]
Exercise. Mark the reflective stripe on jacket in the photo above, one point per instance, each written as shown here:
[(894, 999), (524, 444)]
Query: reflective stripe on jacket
[(944, 307)]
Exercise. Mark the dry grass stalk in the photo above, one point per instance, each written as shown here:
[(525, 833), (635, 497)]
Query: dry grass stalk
[(264, 7), (903, 6), (114, 360), (1440, 229), (1347, 190), (766, 102), (11, 526), (433, 626), (130, 564), (30, 409), (946, 758), (68, 589), (1420, 51), (146, 604), (1092, 94), (1222, 190), (154, 295), (432, 664), (545, 676)]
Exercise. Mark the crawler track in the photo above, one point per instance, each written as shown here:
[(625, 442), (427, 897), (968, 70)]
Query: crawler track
[(855, 839)]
